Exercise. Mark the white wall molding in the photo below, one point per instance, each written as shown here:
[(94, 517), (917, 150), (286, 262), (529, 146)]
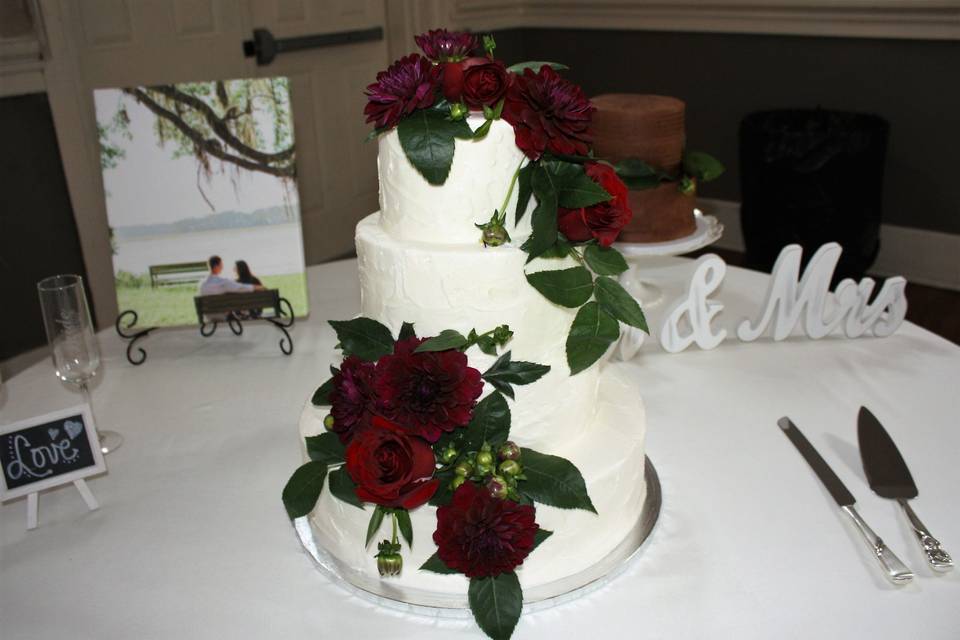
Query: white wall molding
[(916, 19), (921, 256)]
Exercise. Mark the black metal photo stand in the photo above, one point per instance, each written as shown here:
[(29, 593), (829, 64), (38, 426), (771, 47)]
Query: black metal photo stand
[(232, 308)]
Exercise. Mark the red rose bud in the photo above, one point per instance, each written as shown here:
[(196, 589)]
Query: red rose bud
[(480, 535), (452, 81), (494, 235), (485, 81), (602, 221), (509, 451), (389, 560), (427, 394), (390, 467), (497, 487)]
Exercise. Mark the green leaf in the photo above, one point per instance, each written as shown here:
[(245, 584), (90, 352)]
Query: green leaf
[(615, 300), (482, 130), (605, 261), (325, 448), (592, 332), (574, 187), (436, 565), (427, 137), (561, 249), (376, 519), (702, 166), (637, 174), (540, 536), (342, 487), (406, 527), (487, 344), (554, 481), (407, 331), (524, 191), (303, 489), (496, 603), (505, 373), (321, 397), (444, 493), (362, 337), (490, 422), (535, 65), (448, 339), (566, 287), (544, 222)]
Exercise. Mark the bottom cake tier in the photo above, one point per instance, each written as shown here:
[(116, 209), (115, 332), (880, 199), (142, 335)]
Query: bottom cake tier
[(609, 454)]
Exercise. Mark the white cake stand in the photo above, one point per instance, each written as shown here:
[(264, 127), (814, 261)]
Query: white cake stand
[(648, 294)]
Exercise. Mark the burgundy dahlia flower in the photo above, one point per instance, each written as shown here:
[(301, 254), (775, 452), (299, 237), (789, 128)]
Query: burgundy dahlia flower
[(426, 393), (408, 84), (351, 397), (482, 536), (441, 45), (548, 113)]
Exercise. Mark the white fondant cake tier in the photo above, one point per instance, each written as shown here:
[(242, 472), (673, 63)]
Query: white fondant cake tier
[(609, 454), (480, 176), (441, 287)]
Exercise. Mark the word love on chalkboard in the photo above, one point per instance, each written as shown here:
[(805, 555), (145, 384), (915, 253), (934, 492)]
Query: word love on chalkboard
[(47, 451)]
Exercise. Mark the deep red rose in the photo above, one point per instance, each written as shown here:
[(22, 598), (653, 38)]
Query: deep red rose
[(391, 468), (548, 113), (475, 81), (482, 536), (602, 221), (408, 84), (426, 393), (351, 397), (441, 45)]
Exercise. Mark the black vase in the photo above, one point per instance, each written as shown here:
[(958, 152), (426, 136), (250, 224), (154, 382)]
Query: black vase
[(809, 177)]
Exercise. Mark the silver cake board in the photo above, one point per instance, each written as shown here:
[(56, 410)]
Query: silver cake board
[(392, 594)]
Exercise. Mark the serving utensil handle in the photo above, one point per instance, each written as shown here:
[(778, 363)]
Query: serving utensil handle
[(937, 556), (897, 572)]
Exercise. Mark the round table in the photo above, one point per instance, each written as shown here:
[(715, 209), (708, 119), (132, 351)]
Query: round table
[(191, 540)]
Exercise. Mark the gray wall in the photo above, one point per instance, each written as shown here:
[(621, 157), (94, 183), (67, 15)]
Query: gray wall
[(915, 85)]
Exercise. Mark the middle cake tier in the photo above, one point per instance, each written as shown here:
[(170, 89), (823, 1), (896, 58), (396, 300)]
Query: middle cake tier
[(460, 287)]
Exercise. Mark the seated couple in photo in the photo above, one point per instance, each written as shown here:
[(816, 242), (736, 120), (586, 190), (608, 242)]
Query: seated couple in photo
[(215, 284)]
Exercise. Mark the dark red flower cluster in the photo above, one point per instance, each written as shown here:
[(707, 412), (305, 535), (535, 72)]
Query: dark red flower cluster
[(426, 393), (477, 82), (409, 84), (482, 536), (390, 467), (602, 221), (440, 45), (548, 113)]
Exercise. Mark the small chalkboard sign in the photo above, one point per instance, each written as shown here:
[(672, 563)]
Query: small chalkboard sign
[(48, 451)]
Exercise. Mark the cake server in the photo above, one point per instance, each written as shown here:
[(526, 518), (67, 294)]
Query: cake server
[(896, 571), (889, 477)]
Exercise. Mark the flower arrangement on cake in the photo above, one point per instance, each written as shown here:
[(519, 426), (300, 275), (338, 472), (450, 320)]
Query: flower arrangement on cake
[(581, 201), (406, 428)]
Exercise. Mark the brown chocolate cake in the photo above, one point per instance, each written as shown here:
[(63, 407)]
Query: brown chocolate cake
[(650, 128)]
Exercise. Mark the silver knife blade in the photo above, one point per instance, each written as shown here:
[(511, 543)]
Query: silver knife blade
[(829, 479), (887, 473)]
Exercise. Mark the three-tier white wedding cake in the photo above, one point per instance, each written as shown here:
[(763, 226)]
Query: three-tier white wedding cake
[(421, 262)]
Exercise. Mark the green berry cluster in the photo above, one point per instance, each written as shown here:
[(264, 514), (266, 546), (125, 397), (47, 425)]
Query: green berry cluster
[(498, 471)]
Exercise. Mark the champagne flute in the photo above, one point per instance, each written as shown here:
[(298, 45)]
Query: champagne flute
[(73, 342)]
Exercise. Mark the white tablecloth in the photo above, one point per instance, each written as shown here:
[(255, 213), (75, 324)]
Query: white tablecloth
[(192, 541)]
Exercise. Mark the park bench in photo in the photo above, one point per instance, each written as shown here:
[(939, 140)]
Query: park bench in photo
[(236, 308), (177, 273)]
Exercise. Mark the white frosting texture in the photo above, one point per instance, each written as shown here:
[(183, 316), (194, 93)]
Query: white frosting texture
[(609, 454), (439, 287), (480, 176)]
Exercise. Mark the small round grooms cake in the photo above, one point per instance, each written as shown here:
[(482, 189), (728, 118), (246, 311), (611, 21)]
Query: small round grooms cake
[(472, 443)]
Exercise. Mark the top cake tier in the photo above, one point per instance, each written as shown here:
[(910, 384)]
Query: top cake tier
[(414, 210)]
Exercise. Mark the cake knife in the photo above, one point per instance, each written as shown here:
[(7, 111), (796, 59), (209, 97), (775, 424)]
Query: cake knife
[(896, 571), (889, 477)]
